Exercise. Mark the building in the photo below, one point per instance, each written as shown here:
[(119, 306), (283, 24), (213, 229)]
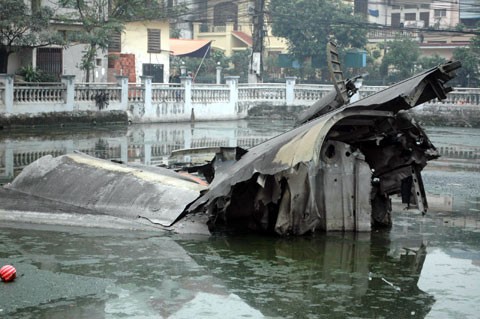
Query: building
[(54, 60), (141, 49), (421, 20), (228, 24)]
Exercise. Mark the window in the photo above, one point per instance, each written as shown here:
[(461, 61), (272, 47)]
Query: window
[(154, 41), (35, 5), (114, 44), (361, 6), (440, 13), (50, 61), (396, 20), (153, 70), (410, 16), (425, 17)]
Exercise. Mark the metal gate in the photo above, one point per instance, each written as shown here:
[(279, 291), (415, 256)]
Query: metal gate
[(49, 60)]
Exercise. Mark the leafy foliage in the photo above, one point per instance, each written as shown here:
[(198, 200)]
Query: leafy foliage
[(100, 19), (400, 60), (308, 25), (204, 71), (21, 28), (469, 74), (427, 62)]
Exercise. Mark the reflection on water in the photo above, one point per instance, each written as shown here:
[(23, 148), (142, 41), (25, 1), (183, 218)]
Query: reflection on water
[(422, 268), (425, 267), (339, 275), (152, 144)]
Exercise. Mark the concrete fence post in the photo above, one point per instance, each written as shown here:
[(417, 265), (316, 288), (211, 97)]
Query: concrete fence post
[(122, 81), (186, 82), (9, 162), (219, 74), (290, 90), (147, 85), (232, 82), (69, 93), (7, 80)]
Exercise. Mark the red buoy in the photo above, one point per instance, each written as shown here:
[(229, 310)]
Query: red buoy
[(8, 273)]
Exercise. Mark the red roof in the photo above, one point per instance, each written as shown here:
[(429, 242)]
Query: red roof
[(242, 36)]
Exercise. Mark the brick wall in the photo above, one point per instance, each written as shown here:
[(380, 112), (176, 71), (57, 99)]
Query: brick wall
[(121, 64)]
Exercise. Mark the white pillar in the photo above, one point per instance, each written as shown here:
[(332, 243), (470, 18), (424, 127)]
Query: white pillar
[(187, 86), (290, 90), (9, 165), (232, 82), (69, 93), (147, 85), (219, 74), (122, 81), (7, 81)]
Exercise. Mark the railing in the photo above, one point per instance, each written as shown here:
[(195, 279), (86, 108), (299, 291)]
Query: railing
[(93, 91), (179, 102), (38, 92), (311, 92), (391, 34), (208, 28), (210, 94), (136, 93), (165, 93), (460, 96), (262, 92)]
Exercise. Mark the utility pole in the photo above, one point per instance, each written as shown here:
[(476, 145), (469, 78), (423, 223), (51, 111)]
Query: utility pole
[(255, 69)]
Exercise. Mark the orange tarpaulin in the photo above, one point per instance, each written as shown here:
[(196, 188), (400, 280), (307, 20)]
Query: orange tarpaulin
[(191, 48)]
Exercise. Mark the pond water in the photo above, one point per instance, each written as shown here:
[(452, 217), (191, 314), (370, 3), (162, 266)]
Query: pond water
[(424, 267)]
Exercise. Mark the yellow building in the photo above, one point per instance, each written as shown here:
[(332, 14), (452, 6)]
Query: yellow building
[(229, 25), (143, 48)]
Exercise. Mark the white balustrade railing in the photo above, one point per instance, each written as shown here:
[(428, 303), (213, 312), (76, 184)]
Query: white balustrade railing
[(68, 94), (92, 91), (136, 93), (211, 94), (168, 93), (38, 93), (313, 93), (460, 96), (262, 92)]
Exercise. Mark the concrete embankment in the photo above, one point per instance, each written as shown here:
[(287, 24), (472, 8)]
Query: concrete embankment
[(55, 119), (431, 115)]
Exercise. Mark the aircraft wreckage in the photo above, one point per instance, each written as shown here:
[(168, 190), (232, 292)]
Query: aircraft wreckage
[(336, 171)]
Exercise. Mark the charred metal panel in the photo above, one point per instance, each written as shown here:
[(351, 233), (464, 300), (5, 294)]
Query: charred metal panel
[(285, 185)]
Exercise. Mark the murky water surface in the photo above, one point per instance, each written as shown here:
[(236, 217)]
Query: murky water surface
[(425, 267)]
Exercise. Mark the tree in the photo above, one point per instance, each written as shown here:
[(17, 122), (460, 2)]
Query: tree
[(308, 25), (428, 62), (204, 70), (20, 27), (100, 19), (400, 60), (468, 75)]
